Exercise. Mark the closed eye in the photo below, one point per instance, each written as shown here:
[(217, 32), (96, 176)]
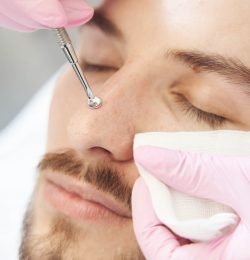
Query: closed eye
[(213, 120), (97, 68)]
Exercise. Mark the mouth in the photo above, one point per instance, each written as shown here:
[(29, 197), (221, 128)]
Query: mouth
[(81, 201)]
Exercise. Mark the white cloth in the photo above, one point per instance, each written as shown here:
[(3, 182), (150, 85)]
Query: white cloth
[(22, 144), (193, 218)]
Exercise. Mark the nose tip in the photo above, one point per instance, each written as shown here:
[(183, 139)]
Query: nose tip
[(103, 133)]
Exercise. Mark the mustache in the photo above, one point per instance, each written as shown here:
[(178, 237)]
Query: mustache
[(102, 175)]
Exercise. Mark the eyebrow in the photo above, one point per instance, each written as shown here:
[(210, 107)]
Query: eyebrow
[(105, 24), (233, 70)]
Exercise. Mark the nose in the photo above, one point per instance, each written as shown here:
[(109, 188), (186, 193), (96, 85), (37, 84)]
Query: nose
[(108, 132)]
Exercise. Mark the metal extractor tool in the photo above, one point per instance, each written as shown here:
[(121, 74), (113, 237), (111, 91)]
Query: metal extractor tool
[(68, 49)]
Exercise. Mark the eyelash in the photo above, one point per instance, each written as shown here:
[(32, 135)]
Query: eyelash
[(89, 67), (213, 120)]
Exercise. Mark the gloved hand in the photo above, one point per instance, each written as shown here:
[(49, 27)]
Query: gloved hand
[(218, 178), (30, 15)]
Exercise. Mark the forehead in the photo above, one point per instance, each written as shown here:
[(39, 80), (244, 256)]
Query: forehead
[(216, 26)]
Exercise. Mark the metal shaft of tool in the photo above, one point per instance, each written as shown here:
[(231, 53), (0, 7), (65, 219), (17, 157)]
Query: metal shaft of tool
[(67, 47)]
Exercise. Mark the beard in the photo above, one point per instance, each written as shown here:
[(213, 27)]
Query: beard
[(65, 240)]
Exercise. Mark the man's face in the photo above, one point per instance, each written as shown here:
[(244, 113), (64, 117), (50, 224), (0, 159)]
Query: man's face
[(165, 65)]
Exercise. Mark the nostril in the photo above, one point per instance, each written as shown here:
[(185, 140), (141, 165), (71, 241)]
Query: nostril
[(100, 152)]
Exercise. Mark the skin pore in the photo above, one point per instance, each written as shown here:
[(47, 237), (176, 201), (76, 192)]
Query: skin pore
[(158, 65)]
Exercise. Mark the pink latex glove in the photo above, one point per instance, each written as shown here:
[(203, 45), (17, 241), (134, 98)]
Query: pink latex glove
[(30, 15), (218, 178)]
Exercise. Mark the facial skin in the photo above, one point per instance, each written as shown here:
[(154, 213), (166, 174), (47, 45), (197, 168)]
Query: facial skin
[(170, 60)]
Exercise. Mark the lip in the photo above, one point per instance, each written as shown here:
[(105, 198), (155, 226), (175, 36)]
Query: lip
[(81, 201)]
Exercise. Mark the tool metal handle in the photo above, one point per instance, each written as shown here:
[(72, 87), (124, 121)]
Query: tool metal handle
[(66, 45)]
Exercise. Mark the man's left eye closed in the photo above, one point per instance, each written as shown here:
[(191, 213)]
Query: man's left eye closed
[(213, 120)]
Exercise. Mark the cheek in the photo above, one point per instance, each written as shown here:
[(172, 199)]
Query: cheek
[(68, 97)]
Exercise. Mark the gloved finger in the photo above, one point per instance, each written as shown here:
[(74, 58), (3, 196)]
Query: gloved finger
[(8, 23), (216, 178), (35, 13), (48, 13), (155, 240), (78, 12), (16, 17)]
